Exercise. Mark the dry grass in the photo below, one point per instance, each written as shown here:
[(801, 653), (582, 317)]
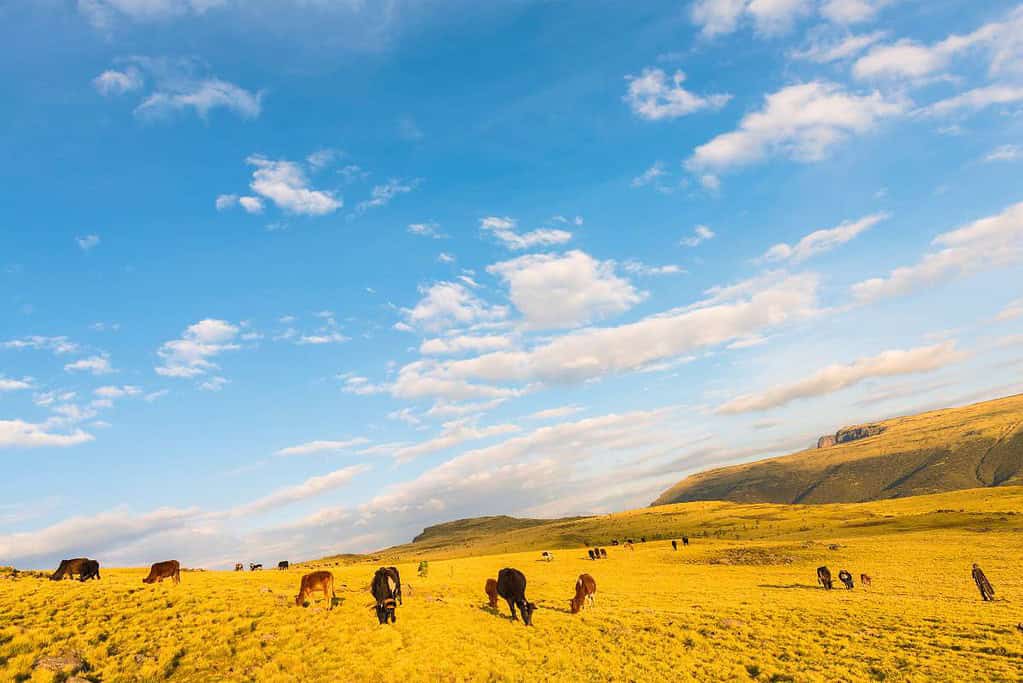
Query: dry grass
[(660, 615)]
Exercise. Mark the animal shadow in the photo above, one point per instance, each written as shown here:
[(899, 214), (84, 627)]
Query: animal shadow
[(791, 586)]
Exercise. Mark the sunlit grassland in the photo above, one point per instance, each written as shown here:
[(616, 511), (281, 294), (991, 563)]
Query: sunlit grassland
[(699, 613)]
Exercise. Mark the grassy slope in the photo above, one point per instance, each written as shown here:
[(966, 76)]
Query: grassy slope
[(942, 450)]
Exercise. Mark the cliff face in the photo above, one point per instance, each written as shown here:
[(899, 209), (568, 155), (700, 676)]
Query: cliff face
[(943, 450)]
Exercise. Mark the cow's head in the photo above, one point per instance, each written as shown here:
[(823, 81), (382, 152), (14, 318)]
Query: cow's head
[(148, 579), (527, 610), (577, 604), (300, 600), (385, 611)]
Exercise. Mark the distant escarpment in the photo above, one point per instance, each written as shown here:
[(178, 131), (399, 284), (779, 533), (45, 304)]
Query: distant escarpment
[(943, 450)]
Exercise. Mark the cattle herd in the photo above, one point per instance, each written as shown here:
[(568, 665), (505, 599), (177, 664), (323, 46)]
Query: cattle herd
[(510, 583)]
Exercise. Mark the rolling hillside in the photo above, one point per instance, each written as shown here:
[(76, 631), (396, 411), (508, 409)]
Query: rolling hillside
[(944, 450)]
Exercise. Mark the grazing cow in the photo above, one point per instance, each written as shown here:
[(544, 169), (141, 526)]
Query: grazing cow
[(628, 545), (824, 577), (253, 567), (987, 592), (283, 565), (846, 578), (82, 566), (491, 589), (316, 581), (171, 569), (585, 590), (511, 585), (865, 580), (603, 553), (642, 539), (383, 588), (239, 567), (547, 555), (614, 541), (674, 545), (591, 554)]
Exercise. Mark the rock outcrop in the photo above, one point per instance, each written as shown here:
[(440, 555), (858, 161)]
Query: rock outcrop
[(847, 434), (826, 440)]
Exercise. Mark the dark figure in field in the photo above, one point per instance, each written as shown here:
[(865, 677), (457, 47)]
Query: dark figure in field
[(283, 565), (824, 577), (511, 585), (642, 539), (82, 566), (491, 590), (614, 541), (865, 580), (986, 591), (383, 588), (316, 581), (239, 567), (590, 552), (674, 545), (170, 569), (685, 541), (846, 578), (254, 567), (603, 553)]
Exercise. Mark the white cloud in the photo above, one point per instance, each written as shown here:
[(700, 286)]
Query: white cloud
[(1005, 153), (156, 395), (251, 204), (215, 383), (991, 242), (117, 391), (506, 231), (311, 447), (114, 82), (322, 158), (87, 242), (285, 184), (800, 122), (770, 17), (652, 97), (325, 337), (975, 100), (453, 434), (820, 241), (639, 268), (101, 13), (97, 365), (841, 376), (360, 386), (651, 175), (851, 11), (226, 201), (202, 97), (554, 413), (445, 409), (462, 343), (381, 195), (569, 290), (21, 434), (716, 17), (190, 355), (701, 233), (449, 304), (1011, 312), (846, 48), (727, 314), (314, 486), (8, 384), (445, 257), (429, 229)]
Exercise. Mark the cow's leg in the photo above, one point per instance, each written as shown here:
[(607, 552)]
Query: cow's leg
[(326, 596), (511, 606)]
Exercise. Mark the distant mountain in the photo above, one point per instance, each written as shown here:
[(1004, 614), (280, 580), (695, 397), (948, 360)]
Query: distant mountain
[(943, 450)]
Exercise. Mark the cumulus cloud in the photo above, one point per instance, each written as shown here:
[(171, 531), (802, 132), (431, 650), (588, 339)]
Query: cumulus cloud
[(429, 229), (285, 184), (651, 96), (449, 304), (991, 242), (56, 345), (116, 391), (311, 447), (841, 376), (558, 291), (505, 229), (820, 241), (800, 122), (463, 343), (851, 11), (770, 17), (9, 384), (453, 434), (190, 355), (21, 434), (96, 365)]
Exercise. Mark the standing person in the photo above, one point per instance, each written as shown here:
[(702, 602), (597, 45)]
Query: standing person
[(986, 591)]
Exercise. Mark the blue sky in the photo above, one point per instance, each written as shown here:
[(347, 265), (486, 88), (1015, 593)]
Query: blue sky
[(283, 279)]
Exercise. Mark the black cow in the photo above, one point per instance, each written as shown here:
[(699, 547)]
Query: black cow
[(674, 545), (383, 588), (642, 539), (254, 567), (283, 565), (846, 578), (614, 541), (590, 552), (685, 541), (824, 577), (511, 585)]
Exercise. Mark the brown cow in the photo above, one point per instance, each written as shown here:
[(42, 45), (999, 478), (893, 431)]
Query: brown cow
[(170, 569), (316, 581), (239, 567), (585, 590), (865, 580), (82, 566), (491, 589)]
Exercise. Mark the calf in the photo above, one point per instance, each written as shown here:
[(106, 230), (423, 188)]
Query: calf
[(824, 577), (511, 585), (283, 565), (491, 589), (171, 569), (383, 588), (585, 590), (547, 555), (865, 580), (316, 581), (239, 567), (82, 566)]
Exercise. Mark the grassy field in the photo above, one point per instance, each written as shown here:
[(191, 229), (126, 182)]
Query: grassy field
[(739, 604)]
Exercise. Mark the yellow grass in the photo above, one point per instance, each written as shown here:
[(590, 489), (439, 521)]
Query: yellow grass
[(659, 615)]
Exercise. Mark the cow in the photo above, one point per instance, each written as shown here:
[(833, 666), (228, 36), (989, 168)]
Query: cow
[(642, 539), (987, 592), (603, 553), (511, 585), (393, 571), (170, 569), (628, 545), (591, 554), (674, 545), (585, 590), (82, 566), (491, 589), (383, 588), (846, 578), (824, 577), (253, 567), (316, 581), (547, 555), (614, 541), (865, 580), (239, 567), (685, 541), (283, 565)]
